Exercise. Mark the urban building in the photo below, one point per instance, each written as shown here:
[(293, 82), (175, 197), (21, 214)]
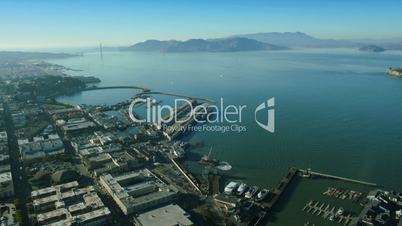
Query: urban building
[(40, 147), (66, 114), (6, 185), (169, 215), (137, 191), (101, 164), (76, 125), (4, 155), (19, 119), (8, 214), (382, 208), (68, 204)]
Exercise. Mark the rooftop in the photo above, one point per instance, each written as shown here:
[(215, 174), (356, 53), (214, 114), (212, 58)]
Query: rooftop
[(66, 204), (5, 177), (137, 190), (169, 215)]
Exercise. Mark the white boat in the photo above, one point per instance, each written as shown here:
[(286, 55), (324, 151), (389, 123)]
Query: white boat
[(251, 192), (242, 188), (339, 212), (231, 187), (262, 194), (224, 166)]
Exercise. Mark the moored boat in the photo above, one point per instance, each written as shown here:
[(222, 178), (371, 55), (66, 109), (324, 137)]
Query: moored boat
[(231, 187), (262, 194), (242, 188), (251, 192)]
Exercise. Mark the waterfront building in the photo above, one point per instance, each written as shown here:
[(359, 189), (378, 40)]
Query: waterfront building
[(382, 208), (76, 125), (137, 191)]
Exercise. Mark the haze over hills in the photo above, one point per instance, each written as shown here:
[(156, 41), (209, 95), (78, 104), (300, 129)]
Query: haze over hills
[(262, 41), (296, 39), (233, 44), (372, 48), (302, 40)]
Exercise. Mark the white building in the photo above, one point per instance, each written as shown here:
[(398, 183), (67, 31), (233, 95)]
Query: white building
[(19, 119), (41, 147), (4, 156), (8, 214), (138, 190), (3, 137), (67, 204), (169, 215), (6, 185)]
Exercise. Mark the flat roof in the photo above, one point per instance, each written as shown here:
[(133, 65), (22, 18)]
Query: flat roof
[(78, 126), (88, 207), (169, 215), (126, 193), (53, 188), (5, 177), (3, 135)]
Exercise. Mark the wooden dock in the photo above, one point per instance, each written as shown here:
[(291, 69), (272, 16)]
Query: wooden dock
[(281, 187)]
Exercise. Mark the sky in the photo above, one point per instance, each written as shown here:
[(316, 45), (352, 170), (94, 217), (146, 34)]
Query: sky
[(86, 23)]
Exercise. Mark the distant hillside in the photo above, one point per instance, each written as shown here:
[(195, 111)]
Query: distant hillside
[(234, 44), (302, 40), (297, 39)]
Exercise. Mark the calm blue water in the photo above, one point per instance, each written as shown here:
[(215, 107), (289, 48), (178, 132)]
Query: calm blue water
[(336, 110)]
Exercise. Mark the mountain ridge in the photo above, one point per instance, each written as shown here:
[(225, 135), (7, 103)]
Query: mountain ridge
[(235, 44), (303, 40)]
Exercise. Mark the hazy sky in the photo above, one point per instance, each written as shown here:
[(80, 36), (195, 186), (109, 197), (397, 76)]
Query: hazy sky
[(65, 23)]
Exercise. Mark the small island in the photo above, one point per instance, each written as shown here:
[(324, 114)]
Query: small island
[(394, 71), (372, 48)]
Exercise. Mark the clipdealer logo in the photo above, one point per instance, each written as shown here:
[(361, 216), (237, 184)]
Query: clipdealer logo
[(188, 115), (269, 106)]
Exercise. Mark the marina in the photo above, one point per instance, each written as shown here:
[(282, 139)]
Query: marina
[(341, 193), (328, 212)]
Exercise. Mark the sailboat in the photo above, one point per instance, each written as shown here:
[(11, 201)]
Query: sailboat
[(208, 160)]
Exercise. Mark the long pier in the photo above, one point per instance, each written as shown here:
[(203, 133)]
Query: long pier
[(116, 87), (342, 178), (175, 95), (189, 177), (146, 91)]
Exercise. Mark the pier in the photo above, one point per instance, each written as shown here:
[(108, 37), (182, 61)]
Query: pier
[(281, 187), (312, 173), (116, 87), (175, 95), (187, 175)]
